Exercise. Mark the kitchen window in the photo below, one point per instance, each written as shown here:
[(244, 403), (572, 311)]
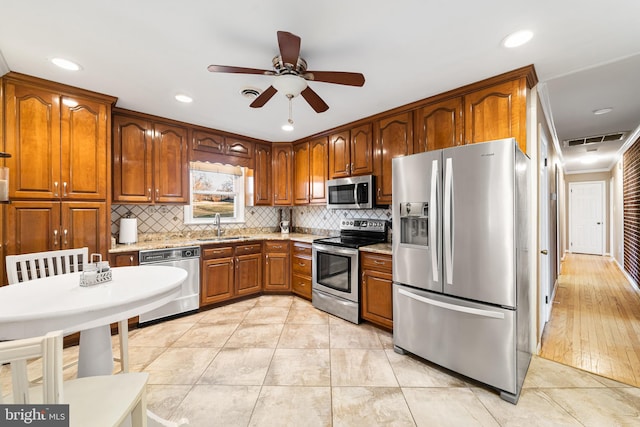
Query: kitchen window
[(215, 188)]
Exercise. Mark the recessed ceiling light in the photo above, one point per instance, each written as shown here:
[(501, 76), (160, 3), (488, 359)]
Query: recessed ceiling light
[(184, 98), (66, 64), (602, 111), (518, 38)]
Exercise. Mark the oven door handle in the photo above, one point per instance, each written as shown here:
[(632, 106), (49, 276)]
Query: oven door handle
[(334, 249)]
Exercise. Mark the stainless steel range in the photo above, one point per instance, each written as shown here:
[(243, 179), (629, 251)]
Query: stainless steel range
[(335, 267)]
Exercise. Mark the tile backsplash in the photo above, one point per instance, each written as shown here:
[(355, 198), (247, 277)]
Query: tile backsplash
[(306, 219)]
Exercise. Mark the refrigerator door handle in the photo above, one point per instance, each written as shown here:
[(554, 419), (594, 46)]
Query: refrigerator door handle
[(448, 228), (433, 220), (447, 306)]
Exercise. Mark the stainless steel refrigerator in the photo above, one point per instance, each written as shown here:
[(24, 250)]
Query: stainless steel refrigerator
[(460, 261)]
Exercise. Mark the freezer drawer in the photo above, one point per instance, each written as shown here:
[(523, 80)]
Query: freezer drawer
[(472, 339)]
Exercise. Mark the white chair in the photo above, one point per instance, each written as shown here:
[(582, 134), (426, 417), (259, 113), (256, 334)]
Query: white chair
[(93, 401), (25, 267)]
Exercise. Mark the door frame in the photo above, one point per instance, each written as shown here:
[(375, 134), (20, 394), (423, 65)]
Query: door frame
[(544, 261), (603, 198)]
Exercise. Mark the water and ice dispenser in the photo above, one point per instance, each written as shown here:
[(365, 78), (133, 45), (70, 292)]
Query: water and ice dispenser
[(414, 223)]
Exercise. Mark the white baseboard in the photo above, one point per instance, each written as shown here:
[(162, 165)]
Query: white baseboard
[(629, 278)]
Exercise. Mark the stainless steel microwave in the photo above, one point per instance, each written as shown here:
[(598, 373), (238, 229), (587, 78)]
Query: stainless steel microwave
[(356, 192)]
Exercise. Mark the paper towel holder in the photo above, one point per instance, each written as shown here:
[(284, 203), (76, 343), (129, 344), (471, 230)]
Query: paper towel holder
[(128, 229)]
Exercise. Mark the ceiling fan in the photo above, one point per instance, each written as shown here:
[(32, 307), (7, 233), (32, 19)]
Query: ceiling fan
[(291, 75)]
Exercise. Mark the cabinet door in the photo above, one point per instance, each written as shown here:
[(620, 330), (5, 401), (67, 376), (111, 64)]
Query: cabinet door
[(83, 129), (394, 138), (377, 305), (362, 150), (248, 274), (277, 272), (439, 125), (318, 170), (33, 227), (132, 160), (301, 173), (238, 148), (171, 173), (32, 136), (85, 224), (217, 280), (262, 177), (282, 174), (339, 155), (497, 112), (207, 142)]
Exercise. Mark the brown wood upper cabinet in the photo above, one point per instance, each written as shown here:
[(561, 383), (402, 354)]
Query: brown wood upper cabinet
[(149, 161), (262, 175), (58, 141), (310, 172), (38, 226), (215, 147), (393, 138), (497, 112), (439, 125), (351, 152), (282, 164)]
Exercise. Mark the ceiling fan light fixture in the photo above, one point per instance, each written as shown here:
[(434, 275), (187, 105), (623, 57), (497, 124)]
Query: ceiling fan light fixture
[(287, 127), (289, 84), (517, 39)]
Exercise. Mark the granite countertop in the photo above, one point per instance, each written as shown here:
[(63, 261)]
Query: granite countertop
[(176, 242), (379, 248)]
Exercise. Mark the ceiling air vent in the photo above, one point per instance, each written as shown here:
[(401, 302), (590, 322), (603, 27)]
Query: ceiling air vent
[(250, 92), (594, 139)]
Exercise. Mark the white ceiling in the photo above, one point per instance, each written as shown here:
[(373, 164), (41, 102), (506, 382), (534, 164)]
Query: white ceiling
[(586, 54)]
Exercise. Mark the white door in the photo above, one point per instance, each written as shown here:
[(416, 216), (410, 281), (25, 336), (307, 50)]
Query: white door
[(543, 238), (586, 217)]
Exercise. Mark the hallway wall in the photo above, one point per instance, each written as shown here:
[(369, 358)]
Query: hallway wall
[(631, 196)]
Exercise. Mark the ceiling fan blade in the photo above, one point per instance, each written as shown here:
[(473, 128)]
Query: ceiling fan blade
[(263, 97), (242, 70), (338, 77), (314, 100), (289, 48)]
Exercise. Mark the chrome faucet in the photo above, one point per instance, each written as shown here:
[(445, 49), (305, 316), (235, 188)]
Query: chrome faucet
[(217, 219)]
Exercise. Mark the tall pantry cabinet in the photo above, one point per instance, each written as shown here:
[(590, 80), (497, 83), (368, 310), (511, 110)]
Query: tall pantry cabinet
[(58, 137)]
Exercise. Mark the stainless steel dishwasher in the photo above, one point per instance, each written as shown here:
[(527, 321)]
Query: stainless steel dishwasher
[(187, 258)]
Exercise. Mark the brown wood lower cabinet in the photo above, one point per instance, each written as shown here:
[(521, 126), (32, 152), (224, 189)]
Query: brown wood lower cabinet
[(124, 259), (230, 271), (276, 266), (377, 305), (301, 263)]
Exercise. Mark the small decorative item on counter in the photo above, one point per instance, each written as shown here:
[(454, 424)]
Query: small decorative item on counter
[(96, 272)]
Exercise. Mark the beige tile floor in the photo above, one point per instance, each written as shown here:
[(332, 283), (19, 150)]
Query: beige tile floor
[(277, 361)]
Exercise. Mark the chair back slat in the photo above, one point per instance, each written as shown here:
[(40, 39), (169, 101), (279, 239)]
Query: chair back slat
[(18, 352), (25, 267)]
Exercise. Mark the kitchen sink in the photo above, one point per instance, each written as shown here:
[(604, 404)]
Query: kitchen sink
[(221, 239)]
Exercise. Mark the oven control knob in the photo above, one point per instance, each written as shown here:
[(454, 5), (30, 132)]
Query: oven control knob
[(188, 253)]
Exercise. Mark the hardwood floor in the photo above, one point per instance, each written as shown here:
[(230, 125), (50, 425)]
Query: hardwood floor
[(595, 322)]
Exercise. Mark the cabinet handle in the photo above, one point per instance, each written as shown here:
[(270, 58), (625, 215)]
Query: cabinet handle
[(237, 263), (149, 196), (276, 247), (64, 189), (379, 262), (301, 284), (351, 168), (131, 259), (55, 237), (378, 191), (267, 258), (65, 232), (157, 194), (55, 188), (301, 264)]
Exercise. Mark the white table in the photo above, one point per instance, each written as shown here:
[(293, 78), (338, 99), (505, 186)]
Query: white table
[(39, 306)]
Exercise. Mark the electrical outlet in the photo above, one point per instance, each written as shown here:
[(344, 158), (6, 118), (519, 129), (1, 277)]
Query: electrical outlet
[(151, 209), (163, 209)]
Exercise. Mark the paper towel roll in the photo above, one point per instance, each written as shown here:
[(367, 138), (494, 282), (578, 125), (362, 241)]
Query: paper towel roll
[(128, 230)]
